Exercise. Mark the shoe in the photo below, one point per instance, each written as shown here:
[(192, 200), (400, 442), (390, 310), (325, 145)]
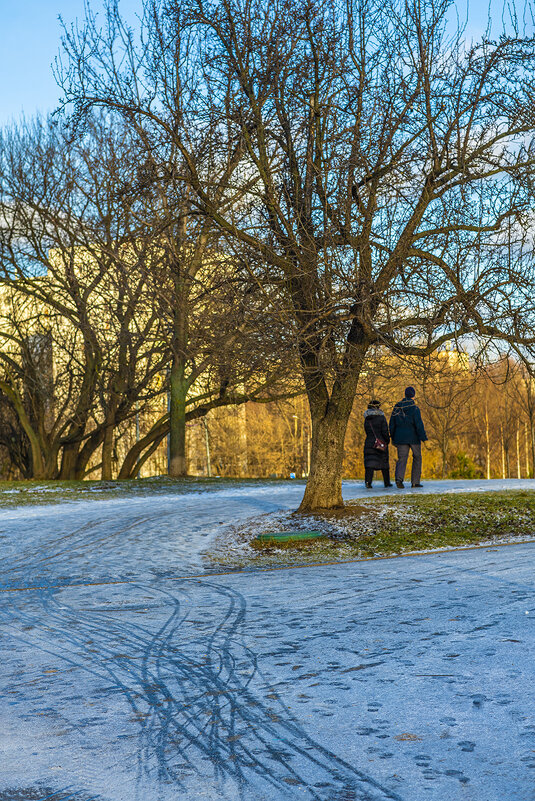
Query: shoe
[(388, 485), (400, 484), (368, 485), (416, 485)]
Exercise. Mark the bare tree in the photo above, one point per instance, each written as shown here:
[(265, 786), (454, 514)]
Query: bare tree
[(73, 279), (198, 287), (220, 352), (447, 382), (521, 390), (373, 163)]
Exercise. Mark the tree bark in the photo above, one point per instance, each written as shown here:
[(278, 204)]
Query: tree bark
[(178, 382), (37, 465), (177, 417), (502, 450), (487, 443), (526, 457), (69, 459), (443, 452), (330, 416), (324, 485), (106, 473), (532, 444), (207, 448), (86, 452)]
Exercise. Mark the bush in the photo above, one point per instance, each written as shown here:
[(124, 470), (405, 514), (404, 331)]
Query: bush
[(465, 467)]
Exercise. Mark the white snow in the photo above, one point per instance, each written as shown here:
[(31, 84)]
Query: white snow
[(397, 679)]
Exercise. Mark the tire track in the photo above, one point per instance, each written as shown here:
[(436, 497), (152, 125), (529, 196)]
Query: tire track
[(195, 693)]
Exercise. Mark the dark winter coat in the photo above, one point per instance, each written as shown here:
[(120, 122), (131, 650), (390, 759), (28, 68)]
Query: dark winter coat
[(406, 426), (374, 459)]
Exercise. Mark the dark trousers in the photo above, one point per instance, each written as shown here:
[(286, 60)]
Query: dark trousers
[(368, 475), (401, 464)]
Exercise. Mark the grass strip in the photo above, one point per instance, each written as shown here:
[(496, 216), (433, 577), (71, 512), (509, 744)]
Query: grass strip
[(385, 527)]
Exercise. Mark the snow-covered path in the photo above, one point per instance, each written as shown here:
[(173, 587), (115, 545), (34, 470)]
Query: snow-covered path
[(397, 679), (152, 537)]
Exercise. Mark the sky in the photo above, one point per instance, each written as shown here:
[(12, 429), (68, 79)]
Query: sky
[(30, 34)]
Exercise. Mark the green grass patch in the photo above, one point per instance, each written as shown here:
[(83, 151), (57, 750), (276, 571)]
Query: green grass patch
[(430, 521), (378, 527)]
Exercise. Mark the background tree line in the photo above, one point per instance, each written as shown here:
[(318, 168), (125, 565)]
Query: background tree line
[(281, 195), (109, 303), (479, 422)]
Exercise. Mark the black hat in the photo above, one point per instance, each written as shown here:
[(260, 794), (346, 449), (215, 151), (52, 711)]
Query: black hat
[(410, 392)]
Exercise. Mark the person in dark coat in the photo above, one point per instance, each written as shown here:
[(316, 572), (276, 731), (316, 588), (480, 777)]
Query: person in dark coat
[(407, 432), (376, 427)]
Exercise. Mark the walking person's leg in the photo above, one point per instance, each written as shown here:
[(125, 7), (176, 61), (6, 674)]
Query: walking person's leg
[(386, 476), (368, 476), (401, 463), (416, 470)]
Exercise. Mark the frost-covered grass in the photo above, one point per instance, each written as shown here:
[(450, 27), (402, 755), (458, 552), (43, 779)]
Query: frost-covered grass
[(24, 493), (384, 527)]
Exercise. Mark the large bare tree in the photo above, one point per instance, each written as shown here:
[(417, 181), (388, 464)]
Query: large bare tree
[(208, 299), (366, 161)]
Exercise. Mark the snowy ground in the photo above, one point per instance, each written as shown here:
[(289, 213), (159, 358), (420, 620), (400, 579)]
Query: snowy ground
[(125, 680)]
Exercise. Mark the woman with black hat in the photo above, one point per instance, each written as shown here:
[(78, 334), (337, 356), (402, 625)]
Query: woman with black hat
[(376, 455)]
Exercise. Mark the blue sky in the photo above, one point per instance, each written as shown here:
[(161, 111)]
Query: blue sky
[(30, 34), (29, 40)]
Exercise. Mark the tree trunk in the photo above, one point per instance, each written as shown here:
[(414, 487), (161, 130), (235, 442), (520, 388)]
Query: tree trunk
[(116, 392), (242, 429), (148, 453), (51, 462), (129, 467), (37, 461), (106, 473), (69, 459), (526, 456), (86, 452), (178, 383), (330, 416), (324, 485), (207, 448), (177, 418), (487, 442)]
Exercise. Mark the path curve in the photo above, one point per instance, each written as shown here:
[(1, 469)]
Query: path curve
[(400, 679)]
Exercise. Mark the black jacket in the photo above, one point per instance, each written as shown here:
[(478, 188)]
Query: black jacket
[(406, 426), (375, 425)]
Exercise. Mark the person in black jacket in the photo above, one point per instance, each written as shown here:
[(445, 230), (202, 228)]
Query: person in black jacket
[(407, 432), (376, 428)]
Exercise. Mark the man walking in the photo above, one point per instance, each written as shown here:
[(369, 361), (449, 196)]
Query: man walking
[(407, 432)]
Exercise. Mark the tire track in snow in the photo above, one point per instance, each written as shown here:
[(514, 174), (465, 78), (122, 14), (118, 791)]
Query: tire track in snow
[(195, 693), (44, 794)]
